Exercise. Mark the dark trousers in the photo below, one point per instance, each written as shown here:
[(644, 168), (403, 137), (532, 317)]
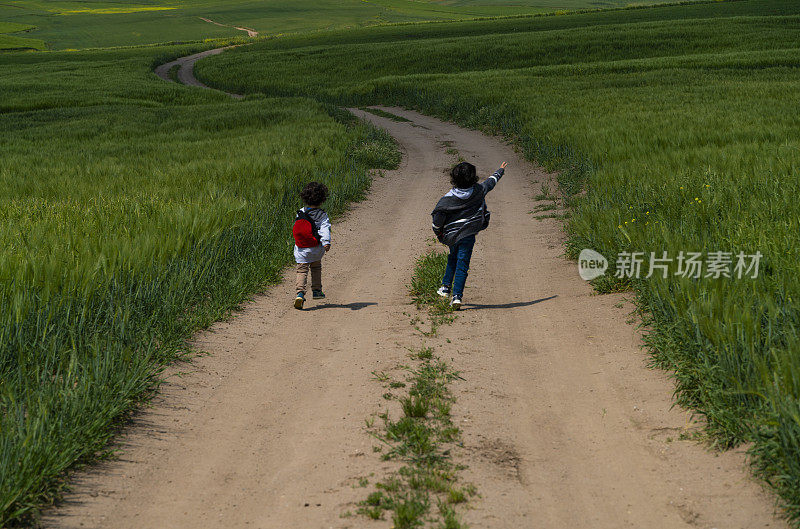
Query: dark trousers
[(455, 274)]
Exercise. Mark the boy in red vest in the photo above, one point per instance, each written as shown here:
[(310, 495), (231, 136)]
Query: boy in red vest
[(312, 237)]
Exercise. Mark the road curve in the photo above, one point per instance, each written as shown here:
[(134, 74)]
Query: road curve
[(186, 69), (250, 31)]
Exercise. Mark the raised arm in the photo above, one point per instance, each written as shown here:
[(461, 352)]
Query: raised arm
[(490, 182)]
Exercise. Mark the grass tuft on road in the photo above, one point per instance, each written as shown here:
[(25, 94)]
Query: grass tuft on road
[(425, 281), (426, 489), (384, 114), (422, 438)]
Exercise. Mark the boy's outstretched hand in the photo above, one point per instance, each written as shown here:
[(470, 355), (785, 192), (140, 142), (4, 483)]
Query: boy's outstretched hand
[(327, 247), (503, 165)]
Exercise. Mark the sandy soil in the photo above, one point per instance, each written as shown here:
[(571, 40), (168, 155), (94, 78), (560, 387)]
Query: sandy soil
[(564, 426)]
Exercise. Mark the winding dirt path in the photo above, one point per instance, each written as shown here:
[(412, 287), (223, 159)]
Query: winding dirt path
[(250, 31), (185, 73), (564, 426)]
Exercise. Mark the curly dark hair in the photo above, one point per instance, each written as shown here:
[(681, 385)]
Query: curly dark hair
[(314, 194), (463, 175)]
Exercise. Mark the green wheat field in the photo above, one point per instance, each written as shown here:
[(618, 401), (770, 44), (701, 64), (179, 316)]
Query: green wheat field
[(134, 212)]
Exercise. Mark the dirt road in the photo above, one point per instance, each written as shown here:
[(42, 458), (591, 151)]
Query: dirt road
[(250, 31), (564, 426), (185, 73)]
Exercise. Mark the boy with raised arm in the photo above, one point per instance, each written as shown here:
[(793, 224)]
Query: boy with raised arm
[(457, 218)]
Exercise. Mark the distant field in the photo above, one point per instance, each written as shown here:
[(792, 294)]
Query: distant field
[(680, 123), (63, 24), (11, 39)]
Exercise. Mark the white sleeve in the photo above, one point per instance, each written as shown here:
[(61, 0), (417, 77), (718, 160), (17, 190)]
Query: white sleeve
[(325, 230)]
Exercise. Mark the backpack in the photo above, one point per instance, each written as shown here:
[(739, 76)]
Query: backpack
[(305, 231)]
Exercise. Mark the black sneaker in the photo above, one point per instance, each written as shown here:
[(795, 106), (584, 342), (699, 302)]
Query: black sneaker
[(299, 300), (456, 303), (317, 294)]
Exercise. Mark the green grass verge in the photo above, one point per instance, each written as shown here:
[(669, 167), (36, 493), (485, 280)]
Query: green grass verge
[(674, 128), (153, 210), (11, 41)]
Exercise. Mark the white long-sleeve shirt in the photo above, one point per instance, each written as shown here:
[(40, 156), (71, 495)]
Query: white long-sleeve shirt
[(323, 223)]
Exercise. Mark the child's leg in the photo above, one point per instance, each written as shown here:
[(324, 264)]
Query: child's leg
[(302, 276), (316, 275), (464, 254), (450, 270)]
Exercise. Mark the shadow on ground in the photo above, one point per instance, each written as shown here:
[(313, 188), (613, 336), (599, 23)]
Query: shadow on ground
[(475, 306), (351, 306)]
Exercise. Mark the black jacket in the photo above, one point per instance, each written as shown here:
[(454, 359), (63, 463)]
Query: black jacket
[(462, 212)]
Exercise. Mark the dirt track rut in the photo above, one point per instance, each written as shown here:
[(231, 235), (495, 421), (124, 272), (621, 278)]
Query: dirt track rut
[(564, 426), (185, 73)]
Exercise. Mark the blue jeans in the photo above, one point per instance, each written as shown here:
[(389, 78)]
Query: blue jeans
[(455, 274)]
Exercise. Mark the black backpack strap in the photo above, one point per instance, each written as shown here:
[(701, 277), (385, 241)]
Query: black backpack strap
[(301, 214)]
